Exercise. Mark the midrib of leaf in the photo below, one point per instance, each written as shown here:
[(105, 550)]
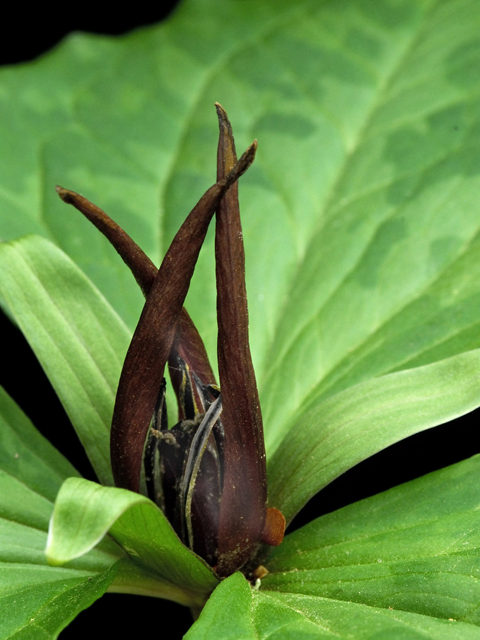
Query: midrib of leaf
[(163, 181), (344, 203), (277, 358), (319, 623), (311, 394)]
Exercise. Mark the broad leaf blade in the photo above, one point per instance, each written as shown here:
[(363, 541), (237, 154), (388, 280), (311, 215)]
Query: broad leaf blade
[(403, 564), (358, 422), (281, 615), (413, 548), (31, 473), (287, 616), (85, 512), (387, 278), (75, 334), (360, 217), (36, 600)]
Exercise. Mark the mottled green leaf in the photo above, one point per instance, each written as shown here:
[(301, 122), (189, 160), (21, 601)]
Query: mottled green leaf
[(360, 214), (361, 223)]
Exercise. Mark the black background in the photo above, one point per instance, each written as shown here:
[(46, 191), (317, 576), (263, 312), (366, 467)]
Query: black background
[(117, 615)]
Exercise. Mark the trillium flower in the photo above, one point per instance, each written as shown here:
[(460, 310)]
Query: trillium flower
[(208, 472)]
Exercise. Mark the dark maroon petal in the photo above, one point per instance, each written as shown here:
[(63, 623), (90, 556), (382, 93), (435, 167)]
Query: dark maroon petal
[(244, 498), (143, 370), (187, 484), (205, 503), (189, 368)]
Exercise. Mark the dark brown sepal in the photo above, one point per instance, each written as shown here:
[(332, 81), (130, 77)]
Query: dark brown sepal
[(188, 344), (244, 498), (143, 370)]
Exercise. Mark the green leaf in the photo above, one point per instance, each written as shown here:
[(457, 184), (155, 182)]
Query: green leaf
[(38, 601), (37, 605), (75, 334), (402, 564), (228, 613), (26, 456), (31, 473), (236, 611), (296, 617), (387, 277), (414, 548), (358, 422), (84, 512), (360, 214)]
